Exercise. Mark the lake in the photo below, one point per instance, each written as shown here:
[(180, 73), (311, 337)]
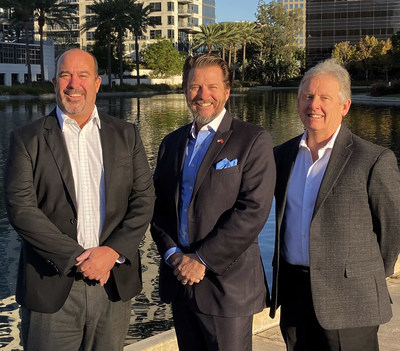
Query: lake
[(156, 116)]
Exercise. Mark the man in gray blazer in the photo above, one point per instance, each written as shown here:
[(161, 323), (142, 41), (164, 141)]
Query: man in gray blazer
[(214, 183), (80, 195), (338, 224)]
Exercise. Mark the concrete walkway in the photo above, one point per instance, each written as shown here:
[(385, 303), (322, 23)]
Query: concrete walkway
[(389, 334), (271, 339)]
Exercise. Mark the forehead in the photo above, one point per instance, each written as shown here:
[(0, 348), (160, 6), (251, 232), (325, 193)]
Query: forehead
[(76, 60), (321, 83), (210, 73)]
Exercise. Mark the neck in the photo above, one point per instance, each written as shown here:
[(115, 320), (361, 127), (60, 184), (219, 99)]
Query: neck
[(316, 142)]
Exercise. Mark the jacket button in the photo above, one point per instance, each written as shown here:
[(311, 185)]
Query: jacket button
[(72, 220)]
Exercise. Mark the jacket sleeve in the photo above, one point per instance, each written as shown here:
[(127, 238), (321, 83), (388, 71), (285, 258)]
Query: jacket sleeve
[(25, 215), (126, 236), (384, 199)]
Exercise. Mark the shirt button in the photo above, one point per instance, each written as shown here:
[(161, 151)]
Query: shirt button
[(190, 187), (73, 221)]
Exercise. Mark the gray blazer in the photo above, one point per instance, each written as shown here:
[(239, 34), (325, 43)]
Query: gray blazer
[(41, 205), (354, 234)]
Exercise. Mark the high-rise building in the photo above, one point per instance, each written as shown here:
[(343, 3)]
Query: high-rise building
[(329, 22), (291, 5), (176, 20)]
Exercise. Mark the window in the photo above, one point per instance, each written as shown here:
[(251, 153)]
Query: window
[(89, 35), (170, 6), (155, 6), (155, 34), (171, 20), (157, 20), (171, 34)]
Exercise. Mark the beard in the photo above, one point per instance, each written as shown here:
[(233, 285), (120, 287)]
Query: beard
[(201, 119)]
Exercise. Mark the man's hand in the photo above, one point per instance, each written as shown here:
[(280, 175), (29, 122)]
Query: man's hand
[(189, 270), (97, 262)]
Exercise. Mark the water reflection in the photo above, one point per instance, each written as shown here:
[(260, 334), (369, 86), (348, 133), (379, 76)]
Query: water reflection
[(156, 116)]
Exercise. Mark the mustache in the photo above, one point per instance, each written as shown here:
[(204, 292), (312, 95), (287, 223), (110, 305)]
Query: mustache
[(74, 91)]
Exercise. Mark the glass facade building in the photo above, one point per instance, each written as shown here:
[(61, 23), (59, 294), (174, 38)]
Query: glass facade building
[(332, 21)]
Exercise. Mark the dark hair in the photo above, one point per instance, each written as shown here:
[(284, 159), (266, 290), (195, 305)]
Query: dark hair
[(205, 60), (96, 65)]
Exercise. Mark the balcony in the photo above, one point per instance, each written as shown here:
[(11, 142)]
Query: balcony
[(184, 12), (185, 1), (188, 27)]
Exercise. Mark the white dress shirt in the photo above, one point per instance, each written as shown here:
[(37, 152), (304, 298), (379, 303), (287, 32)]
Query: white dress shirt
[(304, 185), (86, 158)]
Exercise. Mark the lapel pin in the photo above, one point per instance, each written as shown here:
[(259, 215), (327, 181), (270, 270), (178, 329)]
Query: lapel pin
[(220, 141)]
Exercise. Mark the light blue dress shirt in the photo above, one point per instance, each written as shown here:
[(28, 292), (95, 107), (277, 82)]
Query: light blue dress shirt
[(195, 151), (303, 189)]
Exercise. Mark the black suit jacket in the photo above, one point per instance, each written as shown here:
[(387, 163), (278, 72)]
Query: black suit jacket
[(41, 205), (354, 233), (228, 210)]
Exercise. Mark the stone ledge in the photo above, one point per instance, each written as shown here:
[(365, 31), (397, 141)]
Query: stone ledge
[(166, 341)]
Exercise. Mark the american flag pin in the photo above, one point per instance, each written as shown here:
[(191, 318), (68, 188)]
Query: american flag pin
[(220, 141)]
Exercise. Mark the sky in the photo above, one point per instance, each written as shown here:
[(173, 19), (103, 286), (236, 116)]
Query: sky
[(236, 10)]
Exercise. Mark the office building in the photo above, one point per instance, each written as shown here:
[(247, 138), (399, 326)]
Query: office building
[(332, 21), (291, 5), (176, 20)]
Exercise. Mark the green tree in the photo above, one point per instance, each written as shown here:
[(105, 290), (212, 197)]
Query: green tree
[(163, 58), (344, 53), (365, 52), (140, 21), (276, 59), (211, 36), (103, 19), (51, 12), (22, 11)]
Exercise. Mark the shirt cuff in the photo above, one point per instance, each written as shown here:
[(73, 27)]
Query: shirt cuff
[(121, 259), (202, 261), (169, 253)]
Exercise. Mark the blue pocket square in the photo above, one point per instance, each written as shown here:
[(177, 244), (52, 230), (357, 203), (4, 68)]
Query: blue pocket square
[(225, 163)]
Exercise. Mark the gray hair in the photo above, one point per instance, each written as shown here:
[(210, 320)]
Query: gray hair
[(331, 67)]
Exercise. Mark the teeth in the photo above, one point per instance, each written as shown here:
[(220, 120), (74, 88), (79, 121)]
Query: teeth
[(205, 104), (75, 95), (315, 116)]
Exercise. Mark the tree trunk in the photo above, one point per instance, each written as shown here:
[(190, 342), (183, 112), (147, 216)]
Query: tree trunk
[(120, 59), (41, 22), (137, 60), (109, 59), (244, 61), (234, 62), (28, 57)]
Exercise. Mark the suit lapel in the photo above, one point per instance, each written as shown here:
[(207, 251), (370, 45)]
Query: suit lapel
[(179, 157), (285, 166), (223, 133), (55, 141), (341, 153)]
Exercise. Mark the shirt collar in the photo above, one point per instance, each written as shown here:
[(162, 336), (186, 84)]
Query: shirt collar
[(64, 119), (213, 125), (329, 145)]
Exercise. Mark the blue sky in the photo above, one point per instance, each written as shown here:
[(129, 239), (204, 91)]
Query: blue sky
[(236, 10)]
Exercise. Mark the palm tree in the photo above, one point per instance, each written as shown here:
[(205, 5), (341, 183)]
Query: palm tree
[(102, 18), (140, 20), (210, 36), (122, 22), (249, 35), (51, 12), (22, 11)]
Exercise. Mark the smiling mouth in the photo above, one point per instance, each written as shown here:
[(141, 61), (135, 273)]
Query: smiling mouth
[(73, 93), (203, 103), (315, 116)]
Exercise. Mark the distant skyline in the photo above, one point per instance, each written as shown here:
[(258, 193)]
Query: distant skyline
[(236, 10)]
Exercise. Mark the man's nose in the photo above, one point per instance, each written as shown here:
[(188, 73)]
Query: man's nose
[(73, 81), (203, 93)]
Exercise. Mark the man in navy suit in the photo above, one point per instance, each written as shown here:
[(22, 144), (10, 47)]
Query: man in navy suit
[(214, 184), (80, 195)]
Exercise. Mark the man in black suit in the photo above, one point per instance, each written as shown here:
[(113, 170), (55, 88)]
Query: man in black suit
[(80, 195), (338, 224), (214, 184)]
